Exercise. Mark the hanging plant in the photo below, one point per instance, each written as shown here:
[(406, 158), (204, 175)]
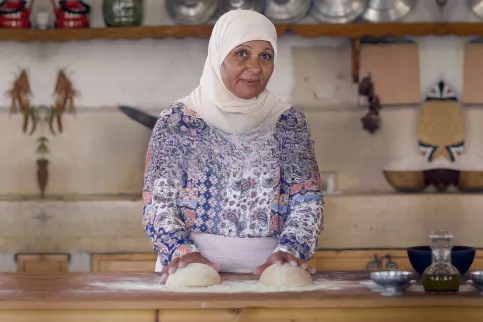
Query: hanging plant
[(371, 120), (43, 116)]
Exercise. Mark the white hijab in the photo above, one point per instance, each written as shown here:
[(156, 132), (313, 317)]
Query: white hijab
[(211, 100)]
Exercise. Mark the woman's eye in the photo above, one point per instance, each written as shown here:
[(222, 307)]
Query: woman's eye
[(241, 53), (266, 56)]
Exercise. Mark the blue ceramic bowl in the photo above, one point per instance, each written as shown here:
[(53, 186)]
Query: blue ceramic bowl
[(461, 257)]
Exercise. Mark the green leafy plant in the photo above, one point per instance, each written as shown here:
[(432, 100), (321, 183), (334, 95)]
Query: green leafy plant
[(41, 117)]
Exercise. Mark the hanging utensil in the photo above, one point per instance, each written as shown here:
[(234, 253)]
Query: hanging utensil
[(441, 3), (338, 11), (255, 5), (387, 10), (191, 11), (477, 7), (139, 116), (287, 11)]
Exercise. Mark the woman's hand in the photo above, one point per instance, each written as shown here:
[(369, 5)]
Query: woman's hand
[(182, 262), (280, 258)]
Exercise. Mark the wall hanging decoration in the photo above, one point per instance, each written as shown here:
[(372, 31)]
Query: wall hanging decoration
[(42, 117), (371, 121), (443, 159), (64, 94), (20, 99)]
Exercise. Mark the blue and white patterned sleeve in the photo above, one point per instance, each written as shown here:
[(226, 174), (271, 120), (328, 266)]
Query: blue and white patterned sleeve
[(162, 179), (304, 221)]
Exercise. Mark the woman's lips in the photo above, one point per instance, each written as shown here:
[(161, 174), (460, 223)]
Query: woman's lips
[(250, 82)]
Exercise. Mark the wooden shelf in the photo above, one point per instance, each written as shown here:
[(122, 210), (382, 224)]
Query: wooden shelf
[(355, 31), (204, 31)]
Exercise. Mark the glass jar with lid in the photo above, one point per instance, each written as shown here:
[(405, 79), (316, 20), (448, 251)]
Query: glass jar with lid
[(441, 275)]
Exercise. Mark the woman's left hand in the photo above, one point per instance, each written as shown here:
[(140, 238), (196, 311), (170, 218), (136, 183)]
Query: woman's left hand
[(280, 258)]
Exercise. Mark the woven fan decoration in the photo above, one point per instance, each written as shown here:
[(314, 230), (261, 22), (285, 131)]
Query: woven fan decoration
[(441, 128)]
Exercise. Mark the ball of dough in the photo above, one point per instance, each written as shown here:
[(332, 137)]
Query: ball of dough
[(194, 275), (285, 275)]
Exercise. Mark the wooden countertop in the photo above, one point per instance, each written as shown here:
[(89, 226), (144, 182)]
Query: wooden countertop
[(142, 291)]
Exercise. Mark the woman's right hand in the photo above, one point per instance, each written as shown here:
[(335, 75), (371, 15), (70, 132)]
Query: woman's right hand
[(184, 260)]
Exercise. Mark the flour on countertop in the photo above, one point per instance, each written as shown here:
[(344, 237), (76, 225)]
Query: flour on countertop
[(253, 286)]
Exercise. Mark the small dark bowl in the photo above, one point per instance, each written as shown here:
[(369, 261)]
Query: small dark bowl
[(441, 179), (461, 257)]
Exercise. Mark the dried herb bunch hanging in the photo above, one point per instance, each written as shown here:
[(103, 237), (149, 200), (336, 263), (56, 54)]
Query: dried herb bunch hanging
[(371, 120), (20, 99), (42, 116), (64, 94)]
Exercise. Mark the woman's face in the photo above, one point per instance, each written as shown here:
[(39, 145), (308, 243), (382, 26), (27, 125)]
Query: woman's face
[(247, 69)]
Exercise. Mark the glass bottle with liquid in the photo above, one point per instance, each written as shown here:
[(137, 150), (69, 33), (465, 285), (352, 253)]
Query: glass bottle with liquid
[(441, 275)]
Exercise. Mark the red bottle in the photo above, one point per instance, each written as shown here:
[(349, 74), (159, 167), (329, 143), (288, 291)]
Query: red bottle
[(14, 14), (71, 14)]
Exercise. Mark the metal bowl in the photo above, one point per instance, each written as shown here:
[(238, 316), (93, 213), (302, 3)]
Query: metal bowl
[(338, 11), (387, 10), (477, 280), (255, 5), (287, 11), (191, 11), (477, 7), (394, 282)]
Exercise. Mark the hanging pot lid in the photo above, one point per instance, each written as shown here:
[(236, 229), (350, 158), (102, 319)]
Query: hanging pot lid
[(477, 7), (287, 11), (191, 11), (387, 10), (255, 5), (338, 11)]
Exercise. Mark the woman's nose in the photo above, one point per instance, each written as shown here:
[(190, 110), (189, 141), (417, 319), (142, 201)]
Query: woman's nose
[(253, 65)]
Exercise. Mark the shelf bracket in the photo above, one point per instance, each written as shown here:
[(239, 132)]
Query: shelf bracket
[(356, 54)]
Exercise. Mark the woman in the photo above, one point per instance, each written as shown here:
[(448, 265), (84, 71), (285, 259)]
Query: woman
[(231, 177)]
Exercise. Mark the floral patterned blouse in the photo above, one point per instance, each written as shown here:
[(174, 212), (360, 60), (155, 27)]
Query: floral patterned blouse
[(262, 184)]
